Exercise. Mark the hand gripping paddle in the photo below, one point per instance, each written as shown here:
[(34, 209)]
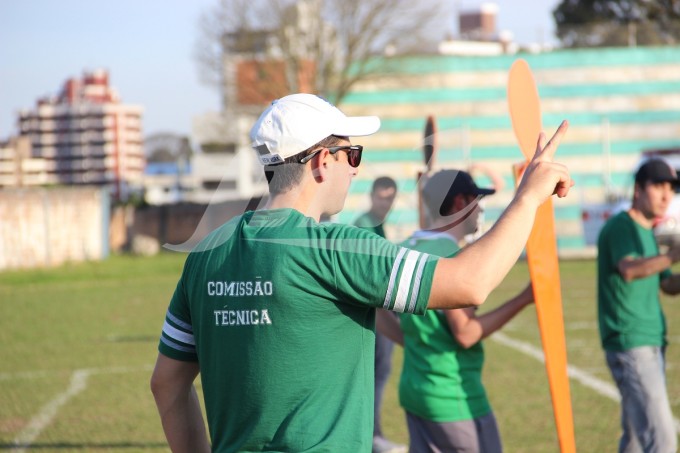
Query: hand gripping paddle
[(541, 248)]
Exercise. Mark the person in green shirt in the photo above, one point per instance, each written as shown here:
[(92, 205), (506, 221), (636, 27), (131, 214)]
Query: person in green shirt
[(631, 321), (383, 193), (441, 388), (276, 311)]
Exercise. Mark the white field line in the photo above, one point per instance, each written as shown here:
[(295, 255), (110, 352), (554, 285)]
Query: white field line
[(600, 387), (47, 413)]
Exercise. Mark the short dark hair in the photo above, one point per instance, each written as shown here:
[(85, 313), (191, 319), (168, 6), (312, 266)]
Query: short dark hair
[(284, 176), (384, 182)]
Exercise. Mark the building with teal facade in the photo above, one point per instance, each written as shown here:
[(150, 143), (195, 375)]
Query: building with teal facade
[(619, 102)]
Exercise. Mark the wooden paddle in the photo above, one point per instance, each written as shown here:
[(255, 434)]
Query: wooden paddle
[(541, 248), (429, 156)]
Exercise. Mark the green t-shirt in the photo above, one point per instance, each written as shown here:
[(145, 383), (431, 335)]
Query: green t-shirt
[(368, 222), (630, 313), (440, 380), (279, 312)]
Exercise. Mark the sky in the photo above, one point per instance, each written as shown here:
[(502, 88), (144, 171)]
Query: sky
[(147, 47)]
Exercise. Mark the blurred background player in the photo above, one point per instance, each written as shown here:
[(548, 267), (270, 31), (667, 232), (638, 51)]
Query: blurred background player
[(632, 324), (441, 388), (383, 193)]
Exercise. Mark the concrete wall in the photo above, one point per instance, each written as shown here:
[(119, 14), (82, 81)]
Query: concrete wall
[(48, 227), (176, 227)]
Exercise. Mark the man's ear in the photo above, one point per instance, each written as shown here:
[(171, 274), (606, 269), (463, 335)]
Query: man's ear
[(637, 189), (320, 165), (460, 202)]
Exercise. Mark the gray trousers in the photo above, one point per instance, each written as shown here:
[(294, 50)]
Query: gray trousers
[(468, 436), (646, 418)]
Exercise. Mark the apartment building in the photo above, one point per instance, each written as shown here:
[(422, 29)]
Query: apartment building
[(83, 136)]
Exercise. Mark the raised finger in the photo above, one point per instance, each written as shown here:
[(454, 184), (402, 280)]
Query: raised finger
[(540, 145), (549, 149)]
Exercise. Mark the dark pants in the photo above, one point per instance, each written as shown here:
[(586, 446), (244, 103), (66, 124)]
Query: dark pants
[(383, 366)]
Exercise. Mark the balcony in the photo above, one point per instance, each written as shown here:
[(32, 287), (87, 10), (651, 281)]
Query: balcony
[(34, 165), (47, 139), (47, 125), (7, 167), (8, 180)]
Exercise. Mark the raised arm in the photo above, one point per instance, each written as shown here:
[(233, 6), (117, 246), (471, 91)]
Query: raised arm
[(177, 403), (469, 277)]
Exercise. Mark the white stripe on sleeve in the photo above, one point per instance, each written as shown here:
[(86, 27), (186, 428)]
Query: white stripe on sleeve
[(178, 335), (416, 284), (405, 280), (393, 277)]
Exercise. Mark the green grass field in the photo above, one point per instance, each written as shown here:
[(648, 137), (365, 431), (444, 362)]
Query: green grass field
[(79, 342)]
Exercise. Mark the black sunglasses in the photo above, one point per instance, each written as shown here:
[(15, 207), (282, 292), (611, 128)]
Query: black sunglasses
[(353, 154)]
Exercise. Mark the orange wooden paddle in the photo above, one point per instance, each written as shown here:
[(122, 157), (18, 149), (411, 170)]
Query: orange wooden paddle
[(525, 113)]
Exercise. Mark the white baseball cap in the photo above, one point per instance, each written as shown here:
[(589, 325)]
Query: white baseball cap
[(296, 122)]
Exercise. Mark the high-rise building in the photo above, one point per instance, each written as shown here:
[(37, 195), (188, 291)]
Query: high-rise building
[(86, 136)]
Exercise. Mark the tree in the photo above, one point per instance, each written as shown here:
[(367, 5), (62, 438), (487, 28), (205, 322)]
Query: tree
[(586, 23), (321, 45)]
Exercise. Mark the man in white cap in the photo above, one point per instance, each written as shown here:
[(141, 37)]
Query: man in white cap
[(277, 311)]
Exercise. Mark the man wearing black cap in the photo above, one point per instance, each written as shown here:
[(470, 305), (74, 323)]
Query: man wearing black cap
[(632, 325), (441, 386)]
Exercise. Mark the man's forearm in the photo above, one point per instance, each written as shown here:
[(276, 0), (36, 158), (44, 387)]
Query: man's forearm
[(183, 425), (632, 269), (388, 325), (498, 250), (469, 277), (178, 405), (496, 319)]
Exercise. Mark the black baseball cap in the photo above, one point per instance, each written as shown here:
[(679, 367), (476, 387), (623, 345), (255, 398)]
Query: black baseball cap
[(444, 185), (656, 170)]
